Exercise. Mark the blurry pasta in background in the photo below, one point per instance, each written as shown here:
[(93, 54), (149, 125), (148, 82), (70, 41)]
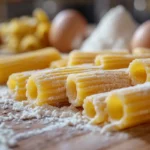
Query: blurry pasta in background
[(27, 61), (59, 63), (25, 33), (77, 57)]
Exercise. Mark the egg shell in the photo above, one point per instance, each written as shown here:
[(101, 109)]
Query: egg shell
[(141, 37), (67, 30)]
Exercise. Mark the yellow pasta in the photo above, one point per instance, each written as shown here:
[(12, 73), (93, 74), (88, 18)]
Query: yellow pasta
[(79, 57), (113, 61), (27, 61), (17, 84), (128, 107), (59, 63), (79, 86), (95, 108), (139, 71), (29, 42), (50, 87), (40, 15), (141, 51)]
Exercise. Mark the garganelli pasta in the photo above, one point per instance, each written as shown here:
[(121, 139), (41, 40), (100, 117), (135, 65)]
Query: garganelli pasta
[(79, 86), (95, 108), (50, 87), (128, 107), (27, 61), (139, 71), (79, 57)]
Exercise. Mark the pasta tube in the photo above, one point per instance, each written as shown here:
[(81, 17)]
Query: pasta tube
[(79, 86), (113, 61), (128, 107), (139, 71), (79, 57), (27, 61), (17, 84), (95, 108), (59, 63), (141, 51), (50, 87)]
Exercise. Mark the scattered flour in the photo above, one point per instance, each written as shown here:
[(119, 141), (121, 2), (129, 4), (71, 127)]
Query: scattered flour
[(25, 113)]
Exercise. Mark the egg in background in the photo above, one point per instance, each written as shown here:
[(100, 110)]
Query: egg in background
[(67, 30), (141, 37)]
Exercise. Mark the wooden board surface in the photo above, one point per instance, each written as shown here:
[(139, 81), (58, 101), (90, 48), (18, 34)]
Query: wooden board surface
[(137, 138)]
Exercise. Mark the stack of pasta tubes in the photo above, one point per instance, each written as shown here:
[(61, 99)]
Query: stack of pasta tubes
[(114, 89)]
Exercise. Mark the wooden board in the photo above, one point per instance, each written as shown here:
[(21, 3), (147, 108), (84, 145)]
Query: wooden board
[(137, 138)]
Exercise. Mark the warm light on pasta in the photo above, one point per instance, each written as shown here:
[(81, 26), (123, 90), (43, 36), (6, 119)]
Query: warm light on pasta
[(79, 86), (59, 63), (113, 61), (50, 87), (79, 57), (141, 51), (128, 107), (27, 61)]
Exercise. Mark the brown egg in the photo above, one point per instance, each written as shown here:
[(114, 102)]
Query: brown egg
[(67, 30), (141, 37)]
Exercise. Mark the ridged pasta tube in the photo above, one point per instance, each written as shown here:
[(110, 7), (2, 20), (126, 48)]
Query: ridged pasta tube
[(59, 63), (17, 83), (50, 87), (79, 57), (139, 70), (79, 86), (108, 62), (129, 107), (95, 108), (27, 61)]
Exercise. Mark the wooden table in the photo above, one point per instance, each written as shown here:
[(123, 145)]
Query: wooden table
[(137, 138)]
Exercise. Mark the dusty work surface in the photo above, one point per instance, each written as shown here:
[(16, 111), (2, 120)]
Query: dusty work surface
[(24, 127)]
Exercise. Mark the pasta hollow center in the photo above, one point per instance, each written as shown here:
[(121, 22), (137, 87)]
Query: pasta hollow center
[(138, 72), (115, 108), (71, 86), (89, 109), (32, 89)]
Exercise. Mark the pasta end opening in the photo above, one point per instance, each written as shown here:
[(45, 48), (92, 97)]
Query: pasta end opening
[(89, 109), (138, 72), (72, 89), (32, 89), (115, 108)]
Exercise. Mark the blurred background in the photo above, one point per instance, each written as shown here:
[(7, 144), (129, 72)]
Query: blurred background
[(93, 10)]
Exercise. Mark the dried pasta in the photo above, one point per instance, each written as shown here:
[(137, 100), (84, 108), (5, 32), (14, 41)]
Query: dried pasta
[(79, 86), (50, 87)]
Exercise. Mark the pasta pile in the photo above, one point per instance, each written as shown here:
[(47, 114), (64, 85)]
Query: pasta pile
[(25, 33), (111, 87)]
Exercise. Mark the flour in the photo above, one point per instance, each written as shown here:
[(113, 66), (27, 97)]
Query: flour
[(50, 118), (114, 31)]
